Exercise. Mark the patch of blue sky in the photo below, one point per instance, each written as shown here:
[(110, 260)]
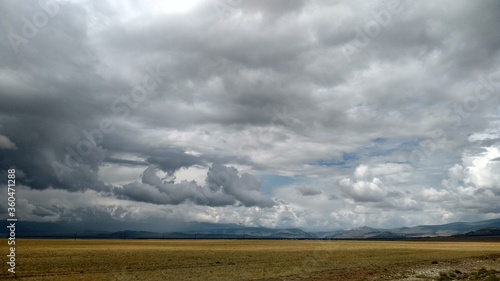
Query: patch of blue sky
[(380, 147), (269, 182), (347, 159), (384, 147)]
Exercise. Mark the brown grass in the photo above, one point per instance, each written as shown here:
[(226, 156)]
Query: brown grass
[(231, 259)]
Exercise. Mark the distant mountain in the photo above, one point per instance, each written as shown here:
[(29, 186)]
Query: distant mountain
[(254, 232), (484, 232), (446, 229), (365, 233), (62, 230), (487, 228), (357, 233), (414, 232)]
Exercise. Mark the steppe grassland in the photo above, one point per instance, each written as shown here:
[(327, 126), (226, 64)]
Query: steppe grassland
[(227, 259)]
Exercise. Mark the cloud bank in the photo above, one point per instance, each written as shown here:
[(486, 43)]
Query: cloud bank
[(313, 114)]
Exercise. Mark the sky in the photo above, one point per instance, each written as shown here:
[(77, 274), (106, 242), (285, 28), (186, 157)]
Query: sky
[(319, 115)]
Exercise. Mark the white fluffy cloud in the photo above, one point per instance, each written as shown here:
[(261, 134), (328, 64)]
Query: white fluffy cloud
[(363, 188)]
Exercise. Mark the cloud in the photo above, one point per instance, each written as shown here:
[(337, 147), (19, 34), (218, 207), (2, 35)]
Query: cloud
[(223, 187), (482, 172), (309, 191), (6, 143), (476, 170), (267, 90), (364, 187), (434, 195), (362, 191)]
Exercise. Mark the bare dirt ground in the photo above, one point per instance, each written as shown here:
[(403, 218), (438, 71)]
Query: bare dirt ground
[(480, 268), (486, 268), (218, 260)]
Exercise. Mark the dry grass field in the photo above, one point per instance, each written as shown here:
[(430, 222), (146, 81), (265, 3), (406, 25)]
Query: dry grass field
[(252, 260)]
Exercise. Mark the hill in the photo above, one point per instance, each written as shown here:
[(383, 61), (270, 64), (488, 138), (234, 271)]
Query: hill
[(487, 228)]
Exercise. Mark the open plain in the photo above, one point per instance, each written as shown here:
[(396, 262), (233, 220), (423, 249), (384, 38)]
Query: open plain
[(253, 260)]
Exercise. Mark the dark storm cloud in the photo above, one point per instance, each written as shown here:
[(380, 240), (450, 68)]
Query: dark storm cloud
[(223, 187), (49, 93), (126, 162), (309, 191), (43, 212), (171, 161), (52, 94)]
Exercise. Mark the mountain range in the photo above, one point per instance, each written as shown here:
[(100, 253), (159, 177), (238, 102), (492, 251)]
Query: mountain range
[(487, 228)]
